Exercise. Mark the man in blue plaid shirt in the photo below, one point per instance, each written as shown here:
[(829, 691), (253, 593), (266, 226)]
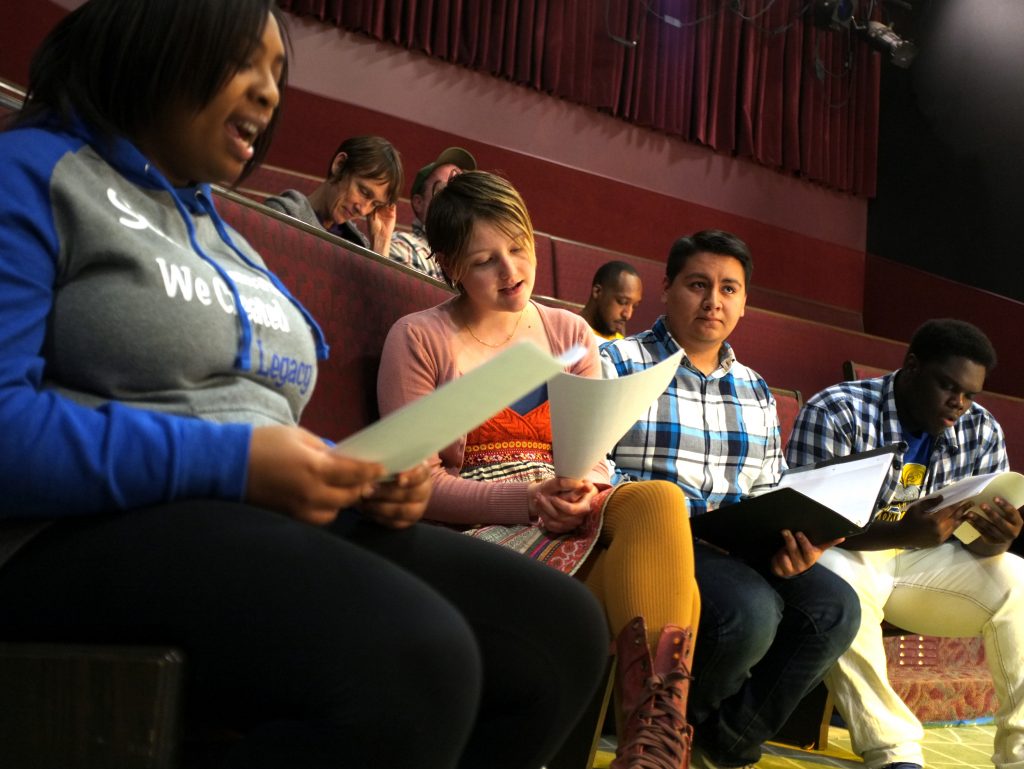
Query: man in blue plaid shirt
[(768, 632), (907, 568)]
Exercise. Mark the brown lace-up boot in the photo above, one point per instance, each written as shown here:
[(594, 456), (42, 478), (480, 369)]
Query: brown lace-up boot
[(652, 728)]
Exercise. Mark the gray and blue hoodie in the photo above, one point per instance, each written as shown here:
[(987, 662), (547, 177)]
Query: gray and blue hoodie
[(141, 338)]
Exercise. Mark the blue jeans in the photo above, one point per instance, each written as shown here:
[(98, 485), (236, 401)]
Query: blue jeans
[(762, 644)]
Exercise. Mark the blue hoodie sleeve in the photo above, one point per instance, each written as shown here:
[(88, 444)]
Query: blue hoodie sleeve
[(59, 458)]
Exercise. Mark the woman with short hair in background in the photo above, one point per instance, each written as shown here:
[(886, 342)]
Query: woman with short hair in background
[(363, 180)]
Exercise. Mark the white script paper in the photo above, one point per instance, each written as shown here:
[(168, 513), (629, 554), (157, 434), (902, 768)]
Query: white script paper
[(406, 437), (588, 416), (849, 487), (982, 489)]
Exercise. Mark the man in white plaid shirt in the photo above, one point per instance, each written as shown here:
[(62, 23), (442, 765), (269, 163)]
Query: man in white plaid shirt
[(411, 247), (768, 631), (907, 568)]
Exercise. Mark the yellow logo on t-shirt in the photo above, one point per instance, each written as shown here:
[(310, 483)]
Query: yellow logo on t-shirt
[(908, 490)]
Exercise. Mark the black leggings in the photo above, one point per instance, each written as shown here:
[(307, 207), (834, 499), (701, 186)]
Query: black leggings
[(352, 646)]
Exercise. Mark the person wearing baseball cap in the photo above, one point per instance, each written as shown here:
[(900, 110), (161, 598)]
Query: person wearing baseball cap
[(410, 248)]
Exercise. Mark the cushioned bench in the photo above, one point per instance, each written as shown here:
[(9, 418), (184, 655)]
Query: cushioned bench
[(575, 264), (802, 307), (942, 680), (267, 180), (804, 354)]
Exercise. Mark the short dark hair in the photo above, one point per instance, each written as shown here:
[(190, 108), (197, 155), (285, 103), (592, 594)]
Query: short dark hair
[(468, 198), (608, 273), (942, 338), (118, 64), (372, 157), (709, 242)]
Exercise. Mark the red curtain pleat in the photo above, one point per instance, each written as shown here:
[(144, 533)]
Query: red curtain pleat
[(753, 78)]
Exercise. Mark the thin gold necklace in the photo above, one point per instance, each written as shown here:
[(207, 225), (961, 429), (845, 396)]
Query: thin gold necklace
[(507, 339)]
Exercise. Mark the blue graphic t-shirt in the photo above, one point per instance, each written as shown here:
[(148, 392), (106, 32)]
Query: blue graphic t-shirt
[(915, 468)]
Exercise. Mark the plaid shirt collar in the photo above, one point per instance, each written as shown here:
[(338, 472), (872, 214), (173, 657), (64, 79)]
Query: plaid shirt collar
[(715, 435), (862, 415), (892, 427), (668, 345)]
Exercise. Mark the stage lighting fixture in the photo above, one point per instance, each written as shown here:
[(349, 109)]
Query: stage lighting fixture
[(834, 14), (883, 38)]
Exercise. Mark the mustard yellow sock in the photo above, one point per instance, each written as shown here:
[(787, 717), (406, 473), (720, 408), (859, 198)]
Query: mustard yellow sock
[(644, 566)]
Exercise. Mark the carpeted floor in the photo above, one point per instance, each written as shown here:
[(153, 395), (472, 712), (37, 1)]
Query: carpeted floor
[(955, 747)]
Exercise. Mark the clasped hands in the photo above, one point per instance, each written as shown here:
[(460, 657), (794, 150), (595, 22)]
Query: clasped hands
[(560, 504), (293, 471)]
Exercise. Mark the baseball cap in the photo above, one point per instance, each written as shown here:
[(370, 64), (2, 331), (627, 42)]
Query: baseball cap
[(454, 155)]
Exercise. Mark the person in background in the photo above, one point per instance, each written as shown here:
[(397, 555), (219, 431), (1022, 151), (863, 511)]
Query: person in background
[(907, 567), (632, 545), (411, 247), (363, 180), (768, 631), (615, 293), (157, 488)]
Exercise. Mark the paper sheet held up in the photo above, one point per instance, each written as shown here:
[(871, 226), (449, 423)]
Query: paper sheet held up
[(406, 437), (588, 416)]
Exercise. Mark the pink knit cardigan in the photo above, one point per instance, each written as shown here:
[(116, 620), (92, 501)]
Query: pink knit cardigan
[(417, 359)]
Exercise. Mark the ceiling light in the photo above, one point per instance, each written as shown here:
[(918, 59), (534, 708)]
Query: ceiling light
[(883, 38)]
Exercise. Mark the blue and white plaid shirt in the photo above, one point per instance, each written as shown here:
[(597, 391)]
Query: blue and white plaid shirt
[(716, 436), (851, 417)]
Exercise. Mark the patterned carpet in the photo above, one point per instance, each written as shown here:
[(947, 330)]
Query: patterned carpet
[(959, 747)]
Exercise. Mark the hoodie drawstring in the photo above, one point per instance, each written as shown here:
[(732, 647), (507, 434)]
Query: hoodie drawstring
[(243, 360), (322, 348)]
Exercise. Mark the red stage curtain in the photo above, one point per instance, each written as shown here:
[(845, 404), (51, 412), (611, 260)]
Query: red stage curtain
[(753, 78)]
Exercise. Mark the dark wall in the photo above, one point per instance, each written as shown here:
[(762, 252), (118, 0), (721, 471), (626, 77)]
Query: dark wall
[(951, 156)]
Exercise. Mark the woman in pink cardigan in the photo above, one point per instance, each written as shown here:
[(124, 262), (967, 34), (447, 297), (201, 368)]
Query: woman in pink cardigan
[(630, 544)]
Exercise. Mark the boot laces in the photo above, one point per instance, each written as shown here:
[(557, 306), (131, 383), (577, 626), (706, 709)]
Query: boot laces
[(663, 740)]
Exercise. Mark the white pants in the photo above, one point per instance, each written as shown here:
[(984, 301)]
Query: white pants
[(941, 591)]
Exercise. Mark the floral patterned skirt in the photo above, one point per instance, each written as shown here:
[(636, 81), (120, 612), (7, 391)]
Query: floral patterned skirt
[(519, 461)]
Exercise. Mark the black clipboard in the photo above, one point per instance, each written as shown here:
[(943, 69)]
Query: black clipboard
[(752, 526)]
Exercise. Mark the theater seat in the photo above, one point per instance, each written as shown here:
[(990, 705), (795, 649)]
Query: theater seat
[(267, 180), (89, 707), (853, 371), (787, 405)]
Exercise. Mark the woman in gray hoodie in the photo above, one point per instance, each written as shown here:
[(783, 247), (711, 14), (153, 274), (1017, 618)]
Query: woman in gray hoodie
[(157, 486)]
